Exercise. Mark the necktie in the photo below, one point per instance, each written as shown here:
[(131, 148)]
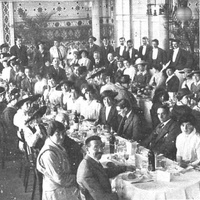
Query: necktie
[(59, 54), (121, 126)]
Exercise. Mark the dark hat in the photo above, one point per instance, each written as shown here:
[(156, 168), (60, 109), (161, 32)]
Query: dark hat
[(93, 38), (183, 92), (171, 39), (91, 138), (109, 93), (176, 40), (194, 72), (31, 99), (39, 113), (14, 94), (40, 42), (85, 51), (97, 73), (2, 90), (66, 82), (139, 61), (186, 70), (12, 58), (124, 79), (170, 67), (4, 45)]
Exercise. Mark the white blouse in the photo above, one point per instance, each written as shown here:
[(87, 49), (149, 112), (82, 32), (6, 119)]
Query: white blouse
[(188, 146)]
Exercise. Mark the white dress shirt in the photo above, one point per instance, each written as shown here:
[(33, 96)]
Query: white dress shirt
[(175, 54), (155, 53), (144, 50)]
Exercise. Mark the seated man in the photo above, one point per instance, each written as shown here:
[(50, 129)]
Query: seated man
[(162, 140), (92, 178), (131, 125)]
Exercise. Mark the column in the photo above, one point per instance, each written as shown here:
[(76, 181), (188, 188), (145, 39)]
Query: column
[(199, 35), (11, 21), (95, 20), (1, 24)]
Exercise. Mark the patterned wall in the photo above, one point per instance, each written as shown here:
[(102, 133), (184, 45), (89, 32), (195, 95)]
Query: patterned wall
[(72, 20)]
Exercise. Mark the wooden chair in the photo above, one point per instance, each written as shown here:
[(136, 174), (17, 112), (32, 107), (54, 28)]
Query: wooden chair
[(30, 167)]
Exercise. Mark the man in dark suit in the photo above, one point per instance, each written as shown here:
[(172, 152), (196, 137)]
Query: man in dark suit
[(105, 49), (145, 49), (179, 58), (92, 47), (120, 52), (156, 55), (162, 140), (98, 61), (111, 68), (130, 126), (92, 178), (20, 52), (27, 84), (56, 71), (131, 53), (108, 113)]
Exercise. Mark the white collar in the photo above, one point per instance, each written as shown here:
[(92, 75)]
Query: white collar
[(128, 114)]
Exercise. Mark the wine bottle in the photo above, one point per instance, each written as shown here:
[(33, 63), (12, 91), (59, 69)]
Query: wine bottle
[(76, 121), (151, 161), (112, 141)]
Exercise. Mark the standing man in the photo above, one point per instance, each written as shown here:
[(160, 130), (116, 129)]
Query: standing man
[(120, 52), (105, 49), (92, 178), (179, 59), (145, 49), (163, 138), (92, 47), (157, 55), (131, 53), (58, 51), (20, 52)]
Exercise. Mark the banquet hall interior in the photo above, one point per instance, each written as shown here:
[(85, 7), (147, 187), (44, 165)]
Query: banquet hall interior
[(78, 60)]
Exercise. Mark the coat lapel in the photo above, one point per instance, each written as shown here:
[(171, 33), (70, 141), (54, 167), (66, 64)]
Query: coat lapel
[(128, 122), (164, 131), (111, 113)]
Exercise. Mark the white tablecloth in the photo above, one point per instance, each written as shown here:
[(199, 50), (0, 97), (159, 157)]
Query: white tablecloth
[(183, 187)]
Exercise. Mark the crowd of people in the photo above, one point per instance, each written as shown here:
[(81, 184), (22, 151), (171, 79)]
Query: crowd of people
[(101, 84)]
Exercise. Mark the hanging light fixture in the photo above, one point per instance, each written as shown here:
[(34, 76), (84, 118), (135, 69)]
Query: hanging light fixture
[(183, 13)]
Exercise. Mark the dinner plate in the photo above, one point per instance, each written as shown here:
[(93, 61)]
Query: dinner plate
[(133, 180)]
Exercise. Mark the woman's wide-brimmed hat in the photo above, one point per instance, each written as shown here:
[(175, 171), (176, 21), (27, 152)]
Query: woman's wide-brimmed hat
[(139, 61), (183, 92), (93, 38), (109, 93), (37, 114), (30, 99)]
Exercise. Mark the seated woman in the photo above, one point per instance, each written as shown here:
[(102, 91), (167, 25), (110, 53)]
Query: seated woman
[(90, 107), (58, 181), (188, 142), (142, 76), (108, 113), (182, 105)]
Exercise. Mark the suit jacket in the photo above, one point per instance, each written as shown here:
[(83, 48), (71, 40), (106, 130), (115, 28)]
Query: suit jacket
[(27, 85), (146, 55), (117, 51), (21, 54), (105, 51), (91, 50), (161, 57), (163, 140), (134, 56), (111, 69), (132, 128), (183, 59), (172, 85), (97, 65), (57, 75), (112, 120), (93, 180)]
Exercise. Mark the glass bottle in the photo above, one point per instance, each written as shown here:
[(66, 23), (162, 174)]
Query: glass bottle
[(151, 161), (76, 121), (112, 141)]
